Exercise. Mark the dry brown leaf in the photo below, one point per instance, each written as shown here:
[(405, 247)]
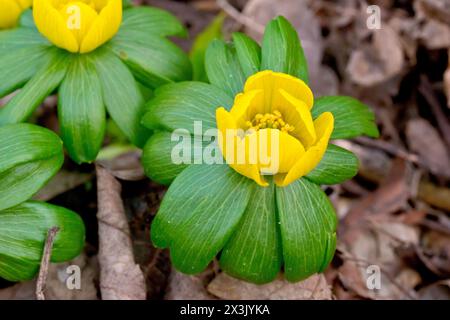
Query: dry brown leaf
[(19, 291), (323, 80), (436, 245), (313, 288), (447, 80), (435, 35), (379, 61), (424, 139), (377, 245), (62, 182), (391, 196), (186, 287), (120, 277), (437, 291), (56, 288), (126, 166), (433, 9)]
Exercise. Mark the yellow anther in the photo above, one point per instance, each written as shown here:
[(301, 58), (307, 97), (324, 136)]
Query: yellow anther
[(272, 120)]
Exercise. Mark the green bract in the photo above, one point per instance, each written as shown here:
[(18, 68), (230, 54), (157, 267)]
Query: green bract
[(91, 84), (212, 209), (29, 157)]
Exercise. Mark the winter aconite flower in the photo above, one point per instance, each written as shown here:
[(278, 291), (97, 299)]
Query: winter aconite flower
[(262, 210), (52, 50), (10, 11), (78, 25), (276, 107)]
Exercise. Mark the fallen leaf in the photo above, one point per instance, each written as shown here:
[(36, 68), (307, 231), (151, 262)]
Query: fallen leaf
[(126, 166), (56, 288), (62, 182), (313, 288), (447, 80), (424, 139), (437, 291), (187, 287), (391, 195), (436, 246), (120, 277), (379, 61), (433, 9), (323, 79)]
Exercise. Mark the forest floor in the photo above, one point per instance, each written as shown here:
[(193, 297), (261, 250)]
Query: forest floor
[(394, 215)]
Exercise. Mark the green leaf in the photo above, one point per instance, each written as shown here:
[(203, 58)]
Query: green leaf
[(23, 51), (248, 53), (41, 85), (201, 43), (177, 106), (308, 229), (254, 251), (282, 50), (157, 158), (19, 66), (223, 68), (18, 38), (153, 60), (23, 231), (352, 118), (148, 20), (29, 157), (121, 95), (198, 214), (26, 19), (336, 166), (81, 112), (157, 161)]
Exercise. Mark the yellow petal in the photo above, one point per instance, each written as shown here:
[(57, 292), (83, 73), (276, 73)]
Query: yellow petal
[(104, 27), (271, 83), (246, 106), (9, 13), (226, 122), (296, 113), (275, 151), (79, 17), (324, 126), (53, 26), (100, 4), (25, 4)]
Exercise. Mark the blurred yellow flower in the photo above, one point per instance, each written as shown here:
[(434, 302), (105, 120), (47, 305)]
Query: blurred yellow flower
[(78, 25), (10, 10), (270, 130)]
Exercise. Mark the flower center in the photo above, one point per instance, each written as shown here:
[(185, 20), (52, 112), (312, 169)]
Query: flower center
[(272, 120)]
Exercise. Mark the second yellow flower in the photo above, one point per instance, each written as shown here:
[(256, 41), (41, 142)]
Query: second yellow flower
[(78, 26)]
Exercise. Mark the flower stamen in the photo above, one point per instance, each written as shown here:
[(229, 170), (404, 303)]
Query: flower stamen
[(272, 120)]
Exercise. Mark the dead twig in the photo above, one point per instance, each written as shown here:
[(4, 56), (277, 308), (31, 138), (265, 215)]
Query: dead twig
[(239, 17), (427, 92), (43, 271), (389, 148)]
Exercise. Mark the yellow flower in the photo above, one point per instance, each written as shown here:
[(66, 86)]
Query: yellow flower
[(78, 25), (271, 124), (10, 10)]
